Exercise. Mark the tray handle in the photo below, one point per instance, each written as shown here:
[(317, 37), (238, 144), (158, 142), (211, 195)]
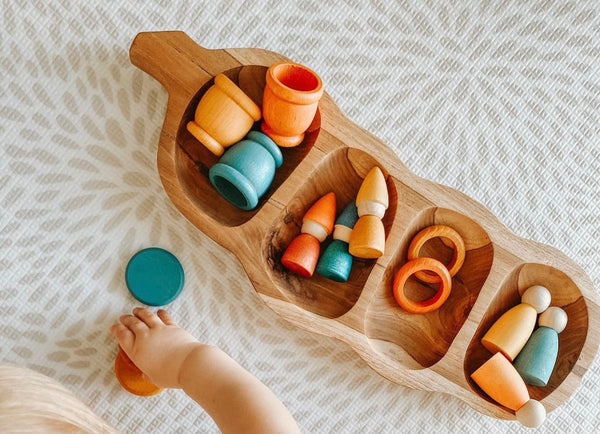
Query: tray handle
[(182, 67)]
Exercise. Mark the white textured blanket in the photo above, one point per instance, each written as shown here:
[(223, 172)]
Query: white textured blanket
[(497, 99)]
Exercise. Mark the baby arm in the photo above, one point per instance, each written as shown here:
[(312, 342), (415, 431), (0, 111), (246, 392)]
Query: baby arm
[(172, 358)]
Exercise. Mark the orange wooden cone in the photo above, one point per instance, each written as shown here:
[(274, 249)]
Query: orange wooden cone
[(500, 380), (367, 239), (302, 255), (372, 197), (131, 378), (323, 212)]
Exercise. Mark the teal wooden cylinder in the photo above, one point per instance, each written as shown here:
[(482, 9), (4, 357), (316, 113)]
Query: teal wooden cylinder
[(336, 262), (246, 170), (536, 360)]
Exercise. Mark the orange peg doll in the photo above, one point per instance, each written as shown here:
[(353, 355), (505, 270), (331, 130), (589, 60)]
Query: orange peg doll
[(500, 380), (302, 254), (368, 235), (512, 330)]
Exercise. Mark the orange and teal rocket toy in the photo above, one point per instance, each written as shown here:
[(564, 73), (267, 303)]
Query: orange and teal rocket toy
[(302, 254), (368, 236), (336, 261)]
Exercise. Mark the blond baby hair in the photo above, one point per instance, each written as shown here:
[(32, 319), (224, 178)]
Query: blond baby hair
[(31, 403)]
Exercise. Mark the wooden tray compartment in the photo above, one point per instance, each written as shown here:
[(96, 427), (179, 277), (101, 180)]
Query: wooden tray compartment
[(342, 172), (436, 351), (194, 160), (427, 338), (565, 294)]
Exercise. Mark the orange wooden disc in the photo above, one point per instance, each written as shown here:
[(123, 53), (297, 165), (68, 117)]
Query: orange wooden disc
[(131, 378), (411, 267), (433, 232)]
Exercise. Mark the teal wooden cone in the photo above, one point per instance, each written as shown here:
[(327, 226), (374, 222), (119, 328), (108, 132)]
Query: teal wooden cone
[(336, 262), (536, 360), (349, 216)]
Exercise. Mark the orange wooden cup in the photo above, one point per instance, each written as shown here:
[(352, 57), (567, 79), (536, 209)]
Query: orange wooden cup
[(367, 239), (131, 378), (290, 102), (433, 232), (223, 116), (431, 304)]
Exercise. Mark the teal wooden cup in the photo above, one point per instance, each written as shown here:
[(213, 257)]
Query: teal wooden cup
[(246, 170)]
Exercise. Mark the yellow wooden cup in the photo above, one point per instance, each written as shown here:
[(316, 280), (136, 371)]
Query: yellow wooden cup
[(224, 116)]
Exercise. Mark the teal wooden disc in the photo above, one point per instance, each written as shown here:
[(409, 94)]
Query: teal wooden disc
[(154, 276)]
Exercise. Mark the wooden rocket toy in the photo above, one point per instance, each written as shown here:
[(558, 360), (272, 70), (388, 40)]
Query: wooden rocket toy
[(500, 380), (336, 262), (368, 236), (510, 332), (536, 360), (302, 254)]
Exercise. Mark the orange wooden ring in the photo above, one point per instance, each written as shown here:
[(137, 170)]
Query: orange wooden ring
[(436, 231), (410, 268)]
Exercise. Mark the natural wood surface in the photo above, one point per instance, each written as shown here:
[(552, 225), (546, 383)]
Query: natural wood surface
[(437, 351)]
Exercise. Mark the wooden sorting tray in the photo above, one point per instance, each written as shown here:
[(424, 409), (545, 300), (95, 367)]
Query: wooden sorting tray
[(436, 351)]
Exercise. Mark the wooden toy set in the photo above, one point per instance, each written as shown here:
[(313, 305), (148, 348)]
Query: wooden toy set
[(434, 294)]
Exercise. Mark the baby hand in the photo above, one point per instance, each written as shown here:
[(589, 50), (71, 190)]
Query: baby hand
[(156, 345)]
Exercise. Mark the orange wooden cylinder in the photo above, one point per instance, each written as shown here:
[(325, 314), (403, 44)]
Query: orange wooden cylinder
[(223, 116), (131, 378), (302, 255), (500, 380), (367, 239), (290, 102)]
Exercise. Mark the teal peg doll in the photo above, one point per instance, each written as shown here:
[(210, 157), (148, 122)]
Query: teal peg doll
[(536, 360)]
